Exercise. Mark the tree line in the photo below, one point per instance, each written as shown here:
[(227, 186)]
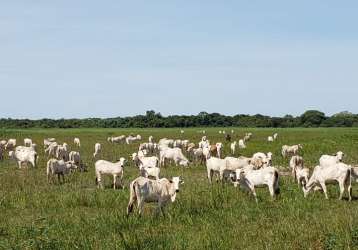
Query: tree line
[(310, 118)]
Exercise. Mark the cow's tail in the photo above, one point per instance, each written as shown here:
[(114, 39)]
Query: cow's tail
[(276, 183), (132, 197)]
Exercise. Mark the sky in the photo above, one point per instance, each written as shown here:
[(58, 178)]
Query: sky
[(77, 59)]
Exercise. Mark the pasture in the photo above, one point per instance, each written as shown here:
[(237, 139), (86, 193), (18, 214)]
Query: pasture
[(75, 215)]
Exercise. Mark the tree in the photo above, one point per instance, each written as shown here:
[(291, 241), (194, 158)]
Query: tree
[(312, 118)]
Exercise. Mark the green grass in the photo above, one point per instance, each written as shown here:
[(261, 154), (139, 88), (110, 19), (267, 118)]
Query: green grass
[(75, 215)]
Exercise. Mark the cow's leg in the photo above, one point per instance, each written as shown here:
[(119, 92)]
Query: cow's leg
[(323, 185), (19, 163), (114, 181), (271, 190), (140, 206), (341, 189), (210, 175), (253, 191)]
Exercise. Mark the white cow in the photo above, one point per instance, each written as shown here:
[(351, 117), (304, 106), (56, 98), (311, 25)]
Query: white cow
[(290, 150), (149, 172), (275, 135), (77, 142), (232, 164), (299, 172), (11, 144), (166, 142), (103, 167), (260, 160), (24, 155), (3, 144), (118, 139), (144, 190), (75, 157), (213, 166), (59, 168), (242, 144), (249, 178), (328, 160), (233, 147), (270, 139), (97, 149), (51, 149), (48, 142), (322, 175), (174, 154), (130, 139), (27, 142), (62, 152), (140, 160)]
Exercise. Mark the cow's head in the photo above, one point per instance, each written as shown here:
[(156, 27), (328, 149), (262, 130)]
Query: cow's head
[(184, 163), (339, 155), (123, 161), (176, 181)]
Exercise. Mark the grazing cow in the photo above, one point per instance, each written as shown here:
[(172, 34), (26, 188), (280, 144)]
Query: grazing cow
[(249, 178), (290, 150), (24, 155), (144, 190), (270, 139), (260, 160), (51, 149), (27, 142), (328, 160), (97, 149), (11, 144), (48, 142), (164, 142), (77, 142), (130, 139), (242, 144), (174, 154), (109, 168), (232, 164), (59, 168), (233, 147), (199, 155), (322, 175), (118, 139)]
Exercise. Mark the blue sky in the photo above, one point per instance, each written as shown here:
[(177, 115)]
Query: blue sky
[(118, 58)]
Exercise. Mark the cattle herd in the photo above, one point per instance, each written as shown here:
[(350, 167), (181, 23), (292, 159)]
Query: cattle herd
[(246, 172)]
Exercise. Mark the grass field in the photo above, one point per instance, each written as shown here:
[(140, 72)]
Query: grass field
[(75, 215)]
